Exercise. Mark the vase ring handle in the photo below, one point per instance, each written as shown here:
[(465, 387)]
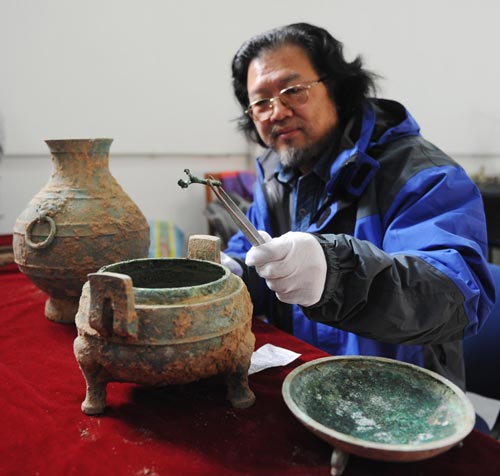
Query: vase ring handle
[(50, 237)]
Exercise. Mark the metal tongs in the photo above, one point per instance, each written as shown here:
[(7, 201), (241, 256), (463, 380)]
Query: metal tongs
[(243, 223)]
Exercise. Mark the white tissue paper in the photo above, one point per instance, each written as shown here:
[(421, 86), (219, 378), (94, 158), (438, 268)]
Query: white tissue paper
[(270, 355)]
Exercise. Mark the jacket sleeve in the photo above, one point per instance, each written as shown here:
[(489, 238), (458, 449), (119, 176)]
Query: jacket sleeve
[(428, 281)]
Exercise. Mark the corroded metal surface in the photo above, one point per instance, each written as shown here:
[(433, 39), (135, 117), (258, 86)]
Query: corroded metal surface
[(80, 221), (378, 408), (204, 247), (162, 322)]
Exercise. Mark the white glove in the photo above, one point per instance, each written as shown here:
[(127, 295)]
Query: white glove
[(231, 263), (293, 265)]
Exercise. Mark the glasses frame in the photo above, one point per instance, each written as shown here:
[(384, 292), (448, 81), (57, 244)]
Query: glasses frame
[(307, 87)]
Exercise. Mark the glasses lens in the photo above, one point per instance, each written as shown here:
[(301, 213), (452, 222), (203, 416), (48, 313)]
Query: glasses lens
[(291, 97), (261, 110), (294, 96)]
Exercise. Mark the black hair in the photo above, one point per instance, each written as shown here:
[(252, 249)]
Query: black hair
[(348, 83)]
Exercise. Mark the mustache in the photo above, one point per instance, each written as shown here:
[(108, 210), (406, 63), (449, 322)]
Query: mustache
[(277, 129)]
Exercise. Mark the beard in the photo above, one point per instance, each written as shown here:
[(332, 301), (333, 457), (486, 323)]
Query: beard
[(305, 157)]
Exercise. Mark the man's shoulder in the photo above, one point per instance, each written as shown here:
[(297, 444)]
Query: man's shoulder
[(413, 149)]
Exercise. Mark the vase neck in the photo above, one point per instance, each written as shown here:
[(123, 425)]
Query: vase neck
[(80, 163), (80, 171)]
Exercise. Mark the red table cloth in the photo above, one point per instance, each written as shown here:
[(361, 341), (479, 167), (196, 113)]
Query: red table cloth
[(181, 431)]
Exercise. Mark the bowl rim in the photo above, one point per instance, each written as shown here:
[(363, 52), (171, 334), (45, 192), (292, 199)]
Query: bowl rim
[(331, 434), (212, 284)]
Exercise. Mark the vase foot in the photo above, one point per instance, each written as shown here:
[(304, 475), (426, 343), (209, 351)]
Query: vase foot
[(61, 310)]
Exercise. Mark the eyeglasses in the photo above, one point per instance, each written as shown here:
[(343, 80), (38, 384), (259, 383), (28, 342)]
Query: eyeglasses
[(291, 97)]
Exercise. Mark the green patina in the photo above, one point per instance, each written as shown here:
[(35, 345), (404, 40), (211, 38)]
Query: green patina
[(168, 279), (378, 402), (192, 179), (167, 273)]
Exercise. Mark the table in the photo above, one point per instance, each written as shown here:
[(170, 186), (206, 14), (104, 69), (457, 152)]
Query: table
[(178, 431)]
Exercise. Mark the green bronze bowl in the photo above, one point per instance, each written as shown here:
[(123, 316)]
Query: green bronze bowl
[(378, 408)]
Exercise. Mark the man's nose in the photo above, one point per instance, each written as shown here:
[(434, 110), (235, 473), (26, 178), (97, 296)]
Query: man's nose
[(279, 110)]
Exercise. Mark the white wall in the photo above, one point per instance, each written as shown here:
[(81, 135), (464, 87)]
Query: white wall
[(155, 76)]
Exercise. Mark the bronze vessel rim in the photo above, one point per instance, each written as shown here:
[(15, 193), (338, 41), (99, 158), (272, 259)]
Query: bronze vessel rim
[(213, 284)]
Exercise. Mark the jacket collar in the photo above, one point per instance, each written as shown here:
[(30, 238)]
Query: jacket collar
[(383, 121)]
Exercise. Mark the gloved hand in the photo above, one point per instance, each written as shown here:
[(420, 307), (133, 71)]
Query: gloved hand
[(231, 263), (293, 265)]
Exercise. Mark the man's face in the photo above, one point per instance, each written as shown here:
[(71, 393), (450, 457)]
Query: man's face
[(298, 135)]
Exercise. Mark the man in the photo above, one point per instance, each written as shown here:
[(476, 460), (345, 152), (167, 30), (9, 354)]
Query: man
[(378, 238)]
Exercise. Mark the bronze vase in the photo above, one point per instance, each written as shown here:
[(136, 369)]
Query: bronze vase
[(78, 222)]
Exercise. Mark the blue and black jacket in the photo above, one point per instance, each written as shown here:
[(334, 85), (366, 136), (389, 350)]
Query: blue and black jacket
[(404, 235)]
